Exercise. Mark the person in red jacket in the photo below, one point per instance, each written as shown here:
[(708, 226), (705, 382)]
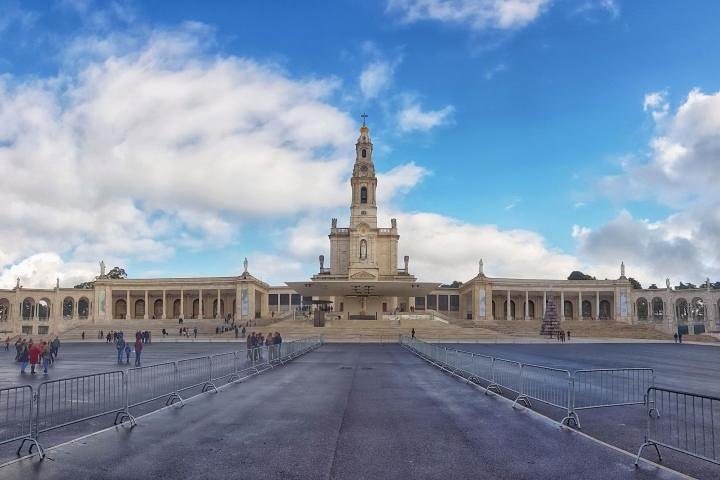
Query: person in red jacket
[(138, 350), (34, 351)]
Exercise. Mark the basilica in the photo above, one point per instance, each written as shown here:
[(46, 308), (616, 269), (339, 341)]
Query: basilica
[(363, 278)]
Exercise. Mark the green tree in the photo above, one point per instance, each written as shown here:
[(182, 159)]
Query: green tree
[(115, 273), (578, 275), (635, 284)]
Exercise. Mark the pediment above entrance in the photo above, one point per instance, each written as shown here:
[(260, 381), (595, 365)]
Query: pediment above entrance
[(362, 276)]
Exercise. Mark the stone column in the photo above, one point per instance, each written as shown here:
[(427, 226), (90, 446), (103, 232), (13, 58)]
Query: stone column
[(127, 305), (579, 312), (508, 314), (146, 305), (217, 313), (527, 305), (544, 309), (475, 303), (182, 303), (200, 304), (562, 305), (164, 314), (238, 317), (251, 302), (597, 304)]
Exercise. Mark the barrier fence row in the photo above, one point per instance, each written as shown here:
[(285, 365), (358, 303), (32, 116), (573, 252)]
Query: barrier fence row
[(25, 413), (681, 421), (557, 387)]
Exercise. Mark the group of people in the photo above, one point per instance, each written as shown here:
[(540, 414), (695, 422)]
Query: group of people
[(35, 354), (256, 340), (561, 335), (125, 348), (112, 336)]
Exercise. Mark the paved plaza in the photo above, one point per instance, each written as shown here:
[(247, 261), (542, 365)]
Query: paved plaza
[(368, 411), (342, 411)]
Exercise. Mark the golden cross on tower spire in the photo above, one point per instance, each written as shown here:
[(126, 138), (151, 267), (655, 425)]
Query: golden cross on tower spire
[(364, 116)]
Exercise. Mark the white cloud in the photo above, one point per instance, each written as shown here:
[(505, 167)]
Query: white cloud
[(146, 147), (477, 14), (42, 269), (413, 118), (376, 77), (443, 249), (680, 172)]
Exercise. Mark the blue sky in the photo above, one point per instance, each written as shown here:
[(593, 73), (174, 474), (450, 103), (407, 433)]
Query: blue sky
[(540, 135)]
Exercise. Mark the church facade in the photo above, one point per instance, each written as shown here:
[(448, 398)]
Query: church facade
[(361, 281)]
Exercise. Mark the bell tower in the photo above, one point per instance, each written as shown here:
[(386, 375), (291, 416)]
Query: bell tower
[(363, 207)]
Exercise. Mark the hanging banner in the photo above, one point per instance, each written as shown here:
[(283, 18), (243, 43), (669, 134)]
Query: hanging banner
[(244, 302), (481, 303), (623, 305)]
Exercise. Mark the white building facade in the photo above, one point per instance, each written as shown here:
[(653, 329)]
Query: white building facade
[(361, 281)]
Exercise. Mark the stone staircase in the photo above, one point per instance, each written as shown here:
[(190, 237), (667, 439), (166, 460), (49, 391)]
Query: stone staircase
[(588, 329), (427, 327)]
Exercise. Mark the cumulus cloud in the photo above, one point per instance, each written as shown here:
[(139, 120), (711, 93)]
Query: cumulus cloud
[(412, 117), (681, 173), (42, 269), (376, 77), (476, 14), (161, 145)]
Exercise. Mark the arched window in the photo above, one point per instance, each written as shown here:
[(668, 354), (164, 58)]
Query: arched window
[(681, 307), (512, 309), (697, 310), (642, 309), (531, 309), (604, 309), (364, 153), (568, 309), (68, 307), (83, 307), (586, 309), (363, 249), (4, 309), (493, 308), (28, 308), (176, 309), (196, 308), (44, 309), (120, 309), (363, 195), (219, 314), (658, 308), (139, 308), (158, 308)]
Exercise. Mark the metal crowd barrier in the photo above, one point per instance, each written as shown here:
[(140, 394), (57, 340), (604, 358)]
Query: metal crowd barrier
[(561, 388), (684, 422), (16, 416), (26, 413)]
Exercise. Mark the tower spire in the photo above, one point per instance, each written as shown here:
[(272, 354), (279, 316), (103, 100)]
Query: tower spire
[(364, 117)]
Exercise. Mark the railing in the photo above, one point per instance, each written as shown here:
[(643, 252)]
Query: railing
[(26, 413), (684, 422), (16, 415), (560, 388)]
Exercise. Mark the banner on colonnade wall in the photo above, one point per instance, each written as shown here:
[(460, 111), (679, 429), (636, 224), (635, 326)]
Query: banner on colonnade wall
[(481, 303), (244, 302), (623, 305)]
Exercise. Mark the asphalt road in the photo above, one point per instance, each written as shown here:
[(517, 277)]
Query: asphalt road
[(343, 411), (693, 368)]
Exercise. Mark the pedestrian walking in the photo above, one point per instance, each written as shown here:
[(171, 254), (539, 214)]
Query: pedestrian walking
[(568, 334), (23, 356), (34, 352), (249, 347), (128, 350), (675, 337), (412, 333), (195, 332), (120, 346), (46, 357), (138, 351)]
